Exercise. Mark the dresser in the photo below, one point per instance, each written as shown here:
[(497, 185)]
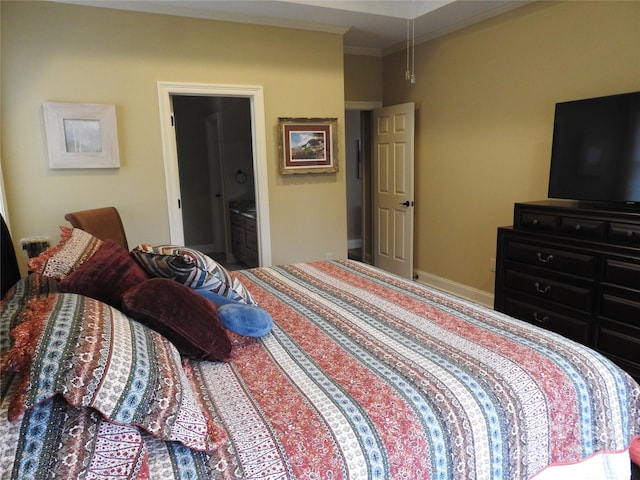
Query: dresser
[(574, 269)]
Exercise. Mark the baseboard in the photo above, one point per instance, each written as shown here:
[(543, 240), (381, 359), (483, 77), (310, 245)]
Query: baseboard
[(449, 286)]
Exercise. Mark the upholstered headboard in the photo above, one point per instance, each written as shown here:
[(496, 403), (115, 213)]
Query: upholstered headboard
[(9, 269)]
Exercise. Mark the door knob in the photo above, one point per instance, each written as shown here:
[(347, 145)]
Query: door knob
[(407, 203)]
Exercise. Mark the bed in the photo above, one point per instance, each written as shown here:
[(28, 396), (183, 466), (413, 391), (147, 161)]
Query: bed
[(363, 375)]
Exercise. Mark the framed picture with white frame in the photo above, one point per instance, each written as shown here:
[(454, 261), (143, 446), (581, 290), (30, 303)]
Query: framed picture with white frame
[(81, 135)]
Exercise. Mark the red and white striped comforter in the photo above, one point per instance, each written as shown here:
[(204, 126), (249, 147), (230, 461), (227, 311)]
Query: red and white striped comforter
[(366, 375)]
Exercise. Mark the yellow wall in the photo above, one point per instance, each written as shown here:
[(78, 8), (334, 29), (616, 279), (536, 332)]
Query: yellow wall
[(484, 96), (485, 100), (57, 52), (362, 78)]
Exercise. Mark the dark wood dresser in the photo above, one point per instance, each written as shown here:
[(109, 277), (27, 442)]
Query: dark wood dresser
[(574, 269)]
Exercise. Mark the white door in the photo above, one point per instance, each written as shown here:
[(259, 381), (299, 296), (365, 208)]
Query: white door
[(393, 149)]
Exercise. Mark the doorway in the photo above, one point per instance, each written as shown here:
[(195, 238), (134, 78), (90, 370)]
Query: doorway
[(388, 244), (215, 160), (358, 158), (358, 175), (214, 127)]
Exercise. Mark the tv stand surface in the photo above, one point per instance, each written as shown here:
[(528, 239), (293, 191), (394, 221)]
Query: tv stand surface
[(574, 269), (631, 207)]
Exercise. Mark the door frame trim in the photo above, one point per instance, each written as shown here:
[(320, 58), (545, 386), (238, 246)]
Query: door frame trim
[(255, 94)]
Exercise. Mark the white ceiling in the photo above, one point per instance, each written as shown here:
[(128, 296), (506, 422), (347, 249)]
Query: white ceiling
[(371, 27)]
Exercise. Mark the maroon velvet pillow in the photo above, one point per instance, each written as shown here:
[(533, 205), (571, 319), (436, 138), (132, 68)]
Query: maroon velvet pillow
[(186, 319), (105, 276)]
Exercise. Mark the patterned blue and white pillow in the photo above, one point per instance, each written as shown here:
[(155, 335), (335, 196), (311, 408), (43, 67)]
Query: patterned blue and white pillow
[(191, 268)]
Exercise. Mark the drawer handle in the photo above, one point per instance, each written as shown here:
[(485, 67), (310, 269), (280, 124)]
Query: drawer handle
[(540, 289), (578, 227), (535, 221), (546, 259), (542, 319), (629, 233)]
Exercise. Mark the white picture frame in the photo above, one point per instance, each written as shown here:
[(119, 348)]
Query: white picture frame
[(81, 135)]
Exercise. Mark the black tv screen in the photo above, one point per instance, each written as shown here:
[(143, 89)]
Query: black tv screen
[(595, 154)]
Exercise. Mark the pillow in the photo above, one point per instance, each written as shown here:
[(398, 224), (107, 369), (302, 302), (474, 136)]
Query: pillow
[(73, 249), (185, 318), (247, 320), (105, 276), (191, 268), (12, 311), (95, 356), (19, 338), (56, 440)]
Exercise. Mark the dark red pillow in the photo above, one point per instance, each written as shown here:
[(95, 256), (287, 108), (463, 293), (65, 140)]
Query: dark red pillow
[(185, 318), (105, 276)]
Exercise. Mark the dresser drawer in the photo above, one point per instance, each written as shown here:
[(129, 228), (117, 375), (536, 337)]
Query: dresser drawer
[(620, 309), (580, 227), (624, 274), (550, 290), (552, 259), (621, 345), (569, 327), (624, 233), (538, 222)]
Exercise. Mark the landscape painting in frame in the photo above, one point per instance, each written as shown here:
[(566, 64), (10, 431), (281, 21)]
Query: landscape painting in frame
[(308, 145)]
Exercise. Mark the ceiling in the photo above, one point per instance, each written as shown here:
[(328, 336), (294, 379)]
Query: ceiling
[(374, 27)]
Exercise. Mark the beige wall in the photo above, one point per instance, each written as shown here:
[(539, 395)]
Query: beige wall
[(485, 99), (57, 52), (362, 78)]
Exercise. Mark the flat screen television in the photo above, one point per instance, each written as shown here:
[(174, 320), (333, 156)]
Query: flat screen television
[(595, 155)]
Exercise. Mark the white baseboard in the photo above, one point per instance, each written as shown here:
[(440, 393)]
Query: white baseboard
[(449, 286)]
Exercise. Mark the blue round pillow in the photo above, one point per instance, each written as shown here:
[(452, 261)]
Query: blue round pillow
[(241, 318)]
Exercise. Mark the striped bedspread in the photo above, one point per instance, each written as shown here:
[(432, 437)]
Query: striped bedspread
[(367, 376), (364, 376)]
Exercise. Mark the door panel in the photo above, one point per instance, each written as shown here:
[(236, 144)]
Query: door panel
[(393, 138), (383, 232)]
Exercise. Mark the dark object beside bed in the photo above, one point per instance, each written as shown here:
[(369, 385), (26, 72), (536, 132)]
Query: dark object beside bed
[(9, 269)]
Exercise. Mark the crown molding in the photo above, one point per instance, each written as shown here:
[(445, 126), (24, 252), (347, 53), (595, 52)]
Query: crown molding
[(162, 8), (467, 22), (371, 52)]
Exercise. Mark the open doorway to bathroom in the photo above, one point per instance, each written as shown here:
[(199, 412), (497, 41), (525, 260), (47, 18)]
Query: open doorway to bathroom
[(217, 181), (358, 179)]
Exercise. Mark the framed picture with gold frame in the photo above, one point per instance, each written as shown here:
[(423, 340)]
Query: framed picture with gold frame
[(308, 145)]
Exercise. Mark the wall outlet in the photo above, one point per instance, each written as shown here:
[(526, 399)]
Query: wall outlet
[(492, 264)]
